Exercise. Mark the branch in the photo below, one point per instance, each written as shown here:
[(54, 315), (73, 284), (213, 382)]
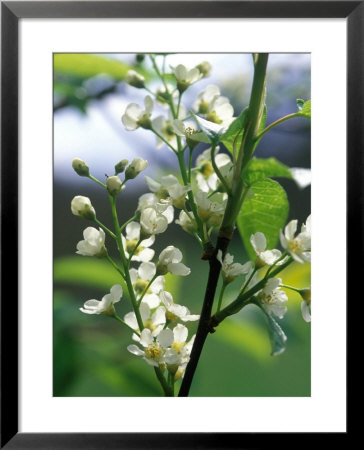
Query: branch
[(256, 105)]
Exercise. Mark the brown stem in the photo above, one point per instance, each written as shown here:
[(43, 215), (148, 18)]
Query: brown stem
[(204, 327)]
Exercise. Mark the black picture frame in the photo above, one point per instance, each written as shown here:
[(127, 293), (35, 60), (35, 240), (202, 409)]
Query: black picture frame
[(11, 13)]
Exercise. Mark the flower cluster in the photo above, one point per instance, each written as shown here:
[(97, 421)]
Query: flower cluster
[(271, 296), (201, 192)]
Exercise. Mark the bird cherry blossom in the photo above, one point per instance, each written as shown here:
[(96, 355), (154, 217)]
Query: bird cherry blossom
[(153, 321), (206, 178), (185, 77), (143, 253), (217, 109), (175, 311), (187, 222), (94, 243), (169, 187), (154, 348), (299, 247), (169, 261), (106, 304), (273, 298), (135, 116), (162, 206), (231, 270), (141, 278), (259, 244), (152, 222)]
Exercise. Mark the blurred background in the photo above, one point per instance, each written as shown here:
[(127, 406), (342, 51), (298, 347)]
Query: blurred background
[(90, 355)]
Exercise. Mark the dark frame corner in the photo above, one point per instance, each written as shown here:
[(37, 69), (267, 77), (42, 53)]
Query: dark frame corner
[(11, 12)]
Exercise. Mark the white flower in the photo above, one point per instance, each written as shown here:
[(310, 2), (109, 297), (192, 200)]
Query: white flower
[(298, 247), (153, 322), (204, 99), (259, 243), (169, 187), (135, 167), (209, 210), (230, 270), (143, 253), (135, 116), (217, 109), (81, 206), (273, 298), (151, 201), (94, 243), (106, 305), (207, 179), (186, 223), (180, 350), (140, 279), (175, 311), (301, 176), (154, 349), (165, 128), (185, 77), (220, 111), (153, 222), (135, 79), (189, 131), (169, 261)]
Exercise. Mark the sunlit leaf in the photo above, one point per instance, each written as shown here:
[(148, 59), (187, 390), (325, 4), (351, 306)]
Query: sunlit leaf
[(277, 337), (304, 108), (86, 65), (266, 211), (259, 169), (236, 127)]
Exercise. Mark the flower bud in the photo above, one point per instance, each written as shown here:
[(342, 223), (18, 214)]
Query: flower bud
[(306, 294), (80, 167), (140, 58), (204, 68), (135, 79), (114, 185), (120, 166), (136, 166), (81, 206)]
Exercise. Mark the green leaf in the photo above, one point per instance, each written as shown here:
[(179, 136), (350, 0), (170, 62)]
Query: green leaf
[(304, 108), (276, 334), (258, 169), (266, 211), (236, 127), (85, 65), (212, 130)]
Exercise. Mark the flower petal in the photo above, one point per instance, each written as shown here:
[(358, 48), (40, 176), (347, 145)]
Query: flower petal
[(165, 338)]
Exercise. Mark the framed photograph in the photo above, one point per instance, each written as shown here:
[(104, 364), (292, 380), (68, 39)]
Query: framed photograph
[(159, 168)]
